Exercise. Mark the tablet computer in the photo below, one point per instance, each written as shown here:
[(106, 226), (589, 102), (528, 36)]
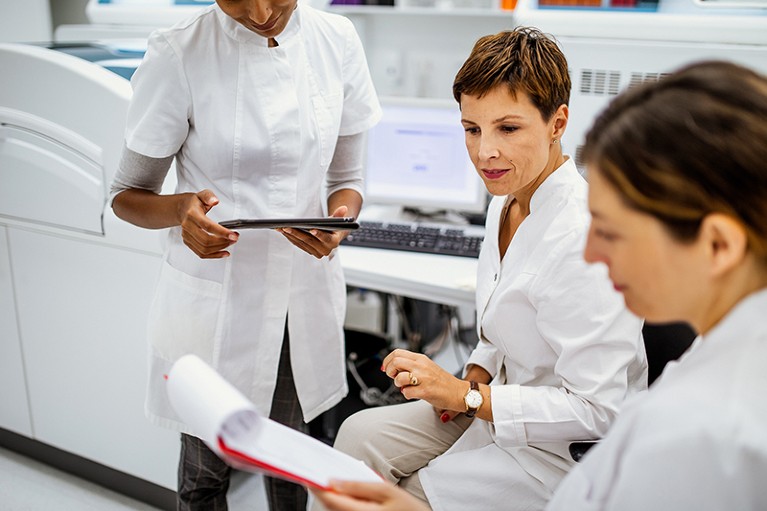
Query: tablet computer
[(322, 223)]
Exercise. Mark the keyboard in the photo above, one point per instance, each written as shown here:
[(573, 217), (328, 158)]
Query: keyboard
[(416, 237)]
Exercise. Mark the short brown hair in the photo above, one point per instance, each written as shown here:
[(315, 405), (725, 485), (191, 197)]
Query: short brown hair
[(691, 144), (524, 59)]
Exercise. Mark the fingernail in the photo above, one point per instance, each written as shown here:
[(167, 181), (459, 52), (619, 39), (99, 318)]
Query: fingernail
[(444, 417), (382, 367), (233, 237)]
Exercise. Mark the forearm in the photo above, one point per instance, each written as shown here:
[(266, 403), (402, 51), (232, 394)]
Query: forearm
[(149, 210), (477, 373), (346, 197)]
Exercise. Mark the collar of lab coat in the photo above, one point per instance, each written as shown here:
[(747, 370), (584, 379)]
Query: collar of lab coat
[(746, 313), (243, 35), (563, 175)]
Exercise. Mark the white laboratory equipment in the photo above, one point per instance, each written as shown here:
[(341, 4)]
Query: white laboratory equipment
[(76, 282)]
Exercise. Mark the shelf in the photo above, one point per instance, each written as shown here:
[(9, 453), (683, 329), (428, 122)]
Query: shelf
[(687, 22), (649, 26), (675, 20), (375, 10)]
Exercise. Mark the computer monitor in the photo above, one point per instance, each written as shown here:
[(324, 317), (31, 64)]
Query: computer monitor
[(416, 157)]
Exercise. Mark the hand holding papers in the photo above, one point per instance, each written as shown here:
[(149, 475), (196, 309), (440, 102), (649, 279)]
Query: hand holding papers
[(230, 425)]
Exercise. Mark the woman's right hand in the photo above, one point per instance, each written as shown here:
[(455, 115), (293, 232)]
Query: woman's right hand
[(202, 235), (357, 496)]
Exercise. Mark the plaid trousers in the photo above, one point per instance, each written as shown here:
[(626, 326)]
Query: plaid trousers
[(203, 479)]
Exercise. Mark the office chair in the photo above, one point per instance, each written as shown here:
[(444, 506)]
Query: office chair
[(663, 343)]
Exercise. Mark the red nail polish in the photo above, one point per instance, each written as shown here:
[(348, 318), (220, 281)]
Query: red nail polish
[(444, 417), (382, 367)]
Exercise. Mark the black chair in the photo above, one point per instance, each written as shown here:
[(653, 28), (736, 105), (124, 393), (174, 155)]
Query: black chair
[(663, 343), (368, 386)]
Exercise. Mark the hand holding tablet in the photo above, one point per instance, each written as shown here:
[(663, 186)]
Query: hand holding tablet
[(322, 223)]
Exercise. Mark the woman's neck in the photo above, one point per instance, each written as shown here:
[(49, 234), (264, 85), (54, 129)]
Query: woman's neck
[(748, 278), (524, 196)]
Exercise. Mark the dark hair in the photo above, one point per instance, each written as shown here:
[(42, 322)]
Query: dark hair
[(524, 59), (691, 144)]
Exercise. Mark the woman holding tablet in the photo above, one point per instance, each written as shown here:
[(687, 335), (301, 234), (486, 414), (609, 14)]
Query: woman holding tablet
[(263, 105)]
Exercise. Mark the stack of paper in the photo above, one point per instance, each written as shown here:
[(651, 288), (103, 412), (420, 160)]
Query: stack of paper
[(230, 425)]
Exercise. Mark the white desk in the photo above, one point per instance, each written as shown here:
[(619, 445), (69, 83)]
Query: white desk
[(434, 278)]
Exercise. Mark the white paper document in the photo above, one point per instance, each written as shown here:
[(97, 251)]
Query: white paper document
[(230, 425)]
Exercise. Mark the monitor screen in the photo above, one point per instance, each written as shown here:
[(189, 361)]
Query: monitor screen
[(417, 158)]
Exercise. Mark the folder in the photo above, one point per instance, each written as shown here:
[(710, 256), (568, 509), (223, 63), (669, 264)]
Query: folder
[(232, 427)]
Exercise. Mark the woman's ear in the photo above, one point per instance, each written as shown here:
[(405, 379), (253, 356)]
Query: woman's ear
[(726, 241), (560, 119)]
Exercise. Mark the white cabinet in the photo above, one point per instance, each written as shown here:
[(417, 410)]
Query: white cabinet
[(83, 307), (14, 404), (75, 282)]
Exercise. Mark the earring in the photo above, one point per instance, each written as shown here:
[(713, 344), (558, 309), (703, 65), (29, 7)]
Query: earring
[(554, 141)]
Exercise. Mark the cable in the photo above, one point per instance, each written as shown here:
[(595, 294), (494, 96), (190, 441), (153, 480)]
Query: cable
[(373, 396)]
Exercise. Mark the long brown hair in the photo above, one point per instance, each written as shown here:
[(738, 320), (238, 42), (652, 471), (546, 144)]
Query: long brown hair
[(691, 144)]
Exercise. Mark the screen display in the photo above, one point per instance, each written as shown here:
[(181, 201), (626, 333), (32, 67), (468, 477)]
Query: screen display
[(417, 158)]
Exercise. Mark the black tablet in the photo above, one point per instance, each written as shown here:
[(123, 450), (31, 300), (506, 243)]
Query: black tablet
[(322, 223)]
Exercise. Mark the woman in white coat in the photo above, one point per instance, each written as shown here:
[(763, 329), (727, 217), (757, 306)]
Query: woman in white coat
[(558, 352), (678, 192), (263, 104)]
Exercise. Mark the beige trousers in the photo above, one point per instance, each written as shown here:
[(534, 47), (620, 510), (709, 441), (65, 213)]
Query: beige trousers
[(398, 440)]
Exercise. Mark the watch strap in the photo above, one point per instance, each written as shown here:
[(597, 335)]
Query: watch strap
[(470, 412)]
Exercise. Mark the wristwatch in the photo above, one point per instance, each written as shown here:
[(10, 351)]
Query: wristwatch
[(473, 399)]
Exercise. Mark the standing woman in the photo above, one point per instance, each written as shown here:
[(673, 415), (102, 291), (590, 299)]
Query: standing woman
[(263, 104), (558, 351), (678, 195)]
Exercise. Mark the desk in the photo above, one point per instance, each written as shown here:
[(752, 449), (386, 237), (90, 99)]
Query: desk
[(448, 280)]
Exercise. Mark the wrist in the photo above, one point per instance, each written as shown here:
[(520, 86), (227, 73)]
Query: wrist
[(182, 206), (473, 399)]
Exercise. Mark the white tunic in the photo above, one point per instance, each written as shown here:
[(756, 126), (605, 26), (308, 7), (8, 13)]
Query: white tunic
[(258, 127), (564, 352), (697, 441)]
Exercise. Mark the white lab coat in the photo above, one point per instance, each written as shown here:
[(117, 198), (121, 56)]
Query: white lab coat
[(258, 126), (697, 441), (564, 352)]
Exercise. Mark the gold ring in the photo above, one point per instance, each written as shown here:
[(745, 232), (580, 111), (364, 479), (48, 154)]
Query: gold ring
[(413, 379)]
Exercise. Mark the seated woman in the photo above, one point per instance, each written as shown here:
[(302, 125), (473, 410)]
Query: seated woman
[(558, 352), (678, 193)]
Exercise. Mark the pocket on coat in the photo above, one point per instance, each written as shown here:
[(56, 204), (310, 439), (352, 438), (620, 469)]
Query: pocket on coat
[(184, 315), (327, 114)]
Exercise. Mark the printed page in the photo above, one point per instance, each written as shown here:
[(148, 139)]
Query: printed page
[(230, 425)]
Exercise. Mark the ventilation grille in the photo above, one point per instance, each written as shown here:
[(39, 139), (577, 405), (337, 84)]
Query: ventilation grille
[(599, 82), (579, 158), (638, 78)]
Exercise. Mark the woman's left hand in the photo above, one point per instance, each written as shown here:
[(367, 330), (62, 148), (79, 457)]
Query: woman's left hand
[(359, 496), (316, 242), (419, 377)]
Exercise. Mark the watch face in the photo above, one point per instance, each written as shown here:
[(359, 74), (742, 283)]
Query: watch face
[(473, 399)]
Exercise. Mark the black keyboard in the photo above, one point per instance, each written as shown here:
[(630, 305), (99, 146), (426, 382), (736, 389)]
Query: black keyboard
[(414, 237)]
